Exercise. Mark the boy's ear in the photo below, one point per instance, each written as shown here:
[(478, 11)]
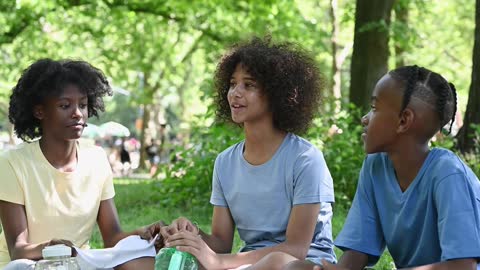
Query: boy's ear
[(38, 112), (406, 120)]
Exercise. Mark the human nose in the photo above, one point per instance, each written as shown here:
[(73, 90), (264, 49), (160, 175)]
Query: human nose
[(236, 90), (77, 112), (365, 119)]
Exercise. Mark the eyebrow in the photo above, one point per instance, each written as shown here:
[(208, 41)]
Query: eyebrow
[(68, 98), (245, 78)]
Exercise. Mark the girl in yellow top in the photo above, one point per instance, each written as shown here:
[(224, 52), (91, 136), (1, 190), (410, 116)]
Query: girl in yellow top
[(54, 190)]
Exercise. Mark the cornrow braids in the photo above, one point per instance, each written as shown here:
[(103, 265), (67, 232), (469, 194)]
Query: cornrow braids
[(454, 93), (431, 88), (410, 87)]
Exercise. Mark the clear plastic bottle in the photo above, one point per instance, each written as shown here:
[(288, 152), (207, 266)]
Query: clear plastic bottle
[(57, 257), (172, 259)]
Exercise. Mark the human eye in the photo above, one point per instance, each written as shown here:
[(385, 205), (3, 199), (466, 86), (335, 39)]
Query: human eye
[(232, 84), (83, 105), (64, 106), (250, 85)]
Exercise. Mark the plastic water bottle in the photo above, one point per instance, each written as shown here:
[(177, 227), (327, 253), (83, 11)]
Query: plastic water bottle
[(172, 259), (57, 257)]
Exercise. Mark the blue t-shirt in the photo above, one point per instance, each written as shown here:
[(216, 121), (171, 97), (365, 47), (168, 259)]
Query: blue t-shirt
[(435, 219), (260, 198)]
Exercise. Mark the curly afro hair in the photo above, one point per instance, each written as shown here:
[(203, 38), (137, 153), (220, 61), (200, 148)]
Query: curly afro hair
[(287, 74), (48, 78)]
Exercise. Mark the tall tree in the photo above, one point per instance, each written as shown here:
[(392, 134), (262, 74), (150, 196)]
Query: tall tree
[(472, 114), (338, 57), (370, 48), (401, 35)]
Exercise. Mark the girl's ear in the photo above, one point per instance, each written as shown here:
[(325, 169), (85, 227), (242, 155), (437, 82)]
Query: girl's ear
[(38, 112), (406, 120)]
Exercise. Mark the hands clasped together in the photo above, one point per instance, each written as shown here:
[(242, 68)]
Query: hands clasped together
[(185, 236)]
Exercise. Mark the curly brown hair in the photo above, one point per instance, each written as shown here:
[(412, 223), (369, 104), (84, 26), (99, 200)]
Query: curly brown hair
[(288, 75), (46, 78)]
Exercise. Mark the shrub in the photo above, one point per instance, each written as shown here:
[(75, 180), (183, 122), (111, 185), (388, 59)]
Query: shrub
[(188, 179), (338, 135)]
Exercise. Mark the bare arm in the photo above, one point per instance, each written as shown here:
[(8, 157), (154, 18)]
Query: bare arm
[(109, 224), (353, 260), (301, 226), (223, 230), (14, 222), (298, 238)]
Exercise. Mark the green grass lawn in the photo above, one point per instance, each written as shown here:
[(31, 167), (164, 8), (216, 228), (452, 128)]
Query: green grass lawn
[(137, 204)]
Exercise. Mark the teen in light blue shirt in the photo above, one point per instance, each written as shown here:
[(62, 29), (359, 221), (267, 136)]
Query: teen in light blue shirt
[(260, 198), (274, 187)]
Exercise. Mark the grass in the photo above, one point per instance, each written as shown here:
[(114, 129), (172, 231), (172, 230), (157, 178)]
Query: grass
[(138, 204)]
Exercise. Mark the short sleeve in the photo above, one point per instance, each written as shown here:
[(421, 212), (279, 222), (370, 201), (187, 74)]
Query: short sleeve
[(362, 229), (218, 197), (11, 190), (312, 180), (108, 190), (458, 218)]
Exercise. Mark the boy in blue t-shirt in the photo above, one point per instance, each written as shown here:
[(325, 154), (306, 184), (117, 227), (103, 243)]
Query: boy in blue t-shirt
[(421, 203)]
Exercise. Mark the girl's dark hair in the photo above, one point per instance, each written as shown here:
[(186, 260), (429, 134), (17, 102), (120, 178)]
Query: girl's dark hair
[(287, 74), (48, 78), (431, 88)]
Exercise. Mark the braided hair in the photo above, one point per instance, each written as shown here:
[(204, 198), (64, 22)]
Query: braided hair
[(431, 88)]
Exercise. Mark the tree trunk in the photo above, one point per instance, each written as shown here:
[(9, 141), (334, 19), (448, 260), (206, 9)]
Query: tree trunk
[(472, 114), (336, 72), (143, 138), (370, 48), (336, 78), (401, 16)]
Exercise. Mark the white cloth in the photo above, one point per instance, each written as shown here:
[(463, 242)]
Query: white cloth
[(21, 264), (125, 250)]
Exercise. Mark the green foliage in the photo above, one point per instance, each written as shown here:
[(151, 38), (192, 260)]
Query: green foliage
[(188, 180), (472, 159), (338, 136)]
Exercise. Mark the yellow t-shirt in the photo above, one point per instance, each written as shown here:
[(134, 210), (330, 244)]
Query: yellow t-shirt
[(57, 204)]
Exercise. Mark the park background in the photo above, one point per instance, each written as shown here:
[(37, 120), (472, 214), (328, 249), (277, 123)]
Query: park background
[(160, 55)]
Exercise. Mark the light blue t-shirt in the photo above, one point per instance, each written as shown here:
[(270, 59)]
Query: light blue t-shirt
[(260, 198), (436, 219)]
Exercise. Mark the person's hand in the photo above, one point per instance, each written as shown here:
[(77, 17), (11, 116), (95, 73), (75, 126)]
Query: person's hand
[(63, 242), (178, 225), (150, 231), (328, 266), (193, 243)]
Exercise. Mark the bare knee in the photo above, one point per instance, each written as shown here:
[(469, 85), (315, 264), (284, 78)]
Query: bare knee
[(145, 263), (274, 261), (299, 265)]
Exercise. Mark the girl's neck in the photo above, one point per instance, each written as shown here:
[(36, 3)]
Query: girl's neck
[(60, 154), (407, 161), (261, 143)]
